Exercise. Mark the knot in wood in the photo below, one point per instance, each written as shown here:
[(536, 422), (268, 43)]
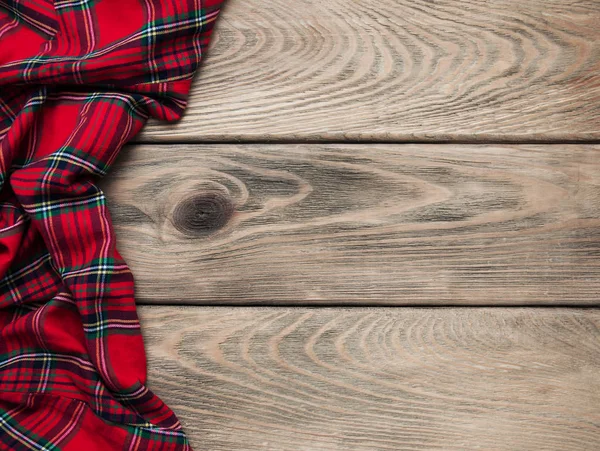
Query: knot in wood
[(202, 214)]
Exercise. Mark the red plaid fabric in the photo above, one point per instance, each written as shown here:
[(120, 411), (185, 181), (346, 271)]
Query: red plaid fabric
[(78, 79)]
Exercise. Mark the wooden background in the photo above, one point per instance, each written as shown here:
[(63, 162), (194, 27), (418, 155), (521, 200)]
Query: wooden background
[(376, 228), (378, 378), (354, 224), (398, 70)]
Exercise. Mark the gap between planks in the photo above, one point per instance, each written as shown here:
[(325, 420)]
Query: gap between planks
[(295, 141)]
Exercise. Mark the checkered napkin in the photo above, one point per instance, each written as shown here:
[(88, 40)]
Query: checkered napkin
[(78, 79)]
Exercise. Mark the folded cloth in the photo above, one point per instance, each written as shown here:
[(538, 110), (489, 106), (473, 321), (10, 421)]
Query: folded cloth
[(78, 79)]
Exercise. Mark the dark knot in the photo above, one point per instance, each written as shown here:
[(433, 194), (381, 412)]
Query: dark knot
[(202, 214)]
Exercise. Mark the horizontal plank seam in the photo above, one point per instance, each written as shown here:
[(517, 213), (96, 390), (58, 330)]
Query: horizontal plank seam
[(594, 306), (369, 141)]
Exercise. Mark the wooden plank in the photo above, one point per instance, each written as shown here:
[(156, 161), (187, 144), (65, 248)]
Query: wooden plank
[(378, 378), (380, 224), (398, 70)]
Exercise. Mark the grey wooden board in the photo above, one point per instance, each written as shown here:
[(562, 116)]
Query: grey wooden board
[(360, 224), (378, 378), (397, 70)]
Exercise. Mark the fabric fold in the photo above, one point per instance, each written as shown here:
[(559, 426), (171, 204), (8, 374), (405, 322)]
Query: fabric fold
[(78, 80)]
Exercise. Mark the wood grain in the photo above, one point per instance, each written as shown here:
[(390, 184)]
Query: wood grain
[(398, 70), (360, 224), (302, 379)]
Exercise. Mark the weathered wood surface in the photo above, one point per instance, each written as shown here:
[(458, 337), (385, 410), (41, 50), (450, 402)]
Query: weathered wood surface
[(398, 70), (378, 378), (360, 224)]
